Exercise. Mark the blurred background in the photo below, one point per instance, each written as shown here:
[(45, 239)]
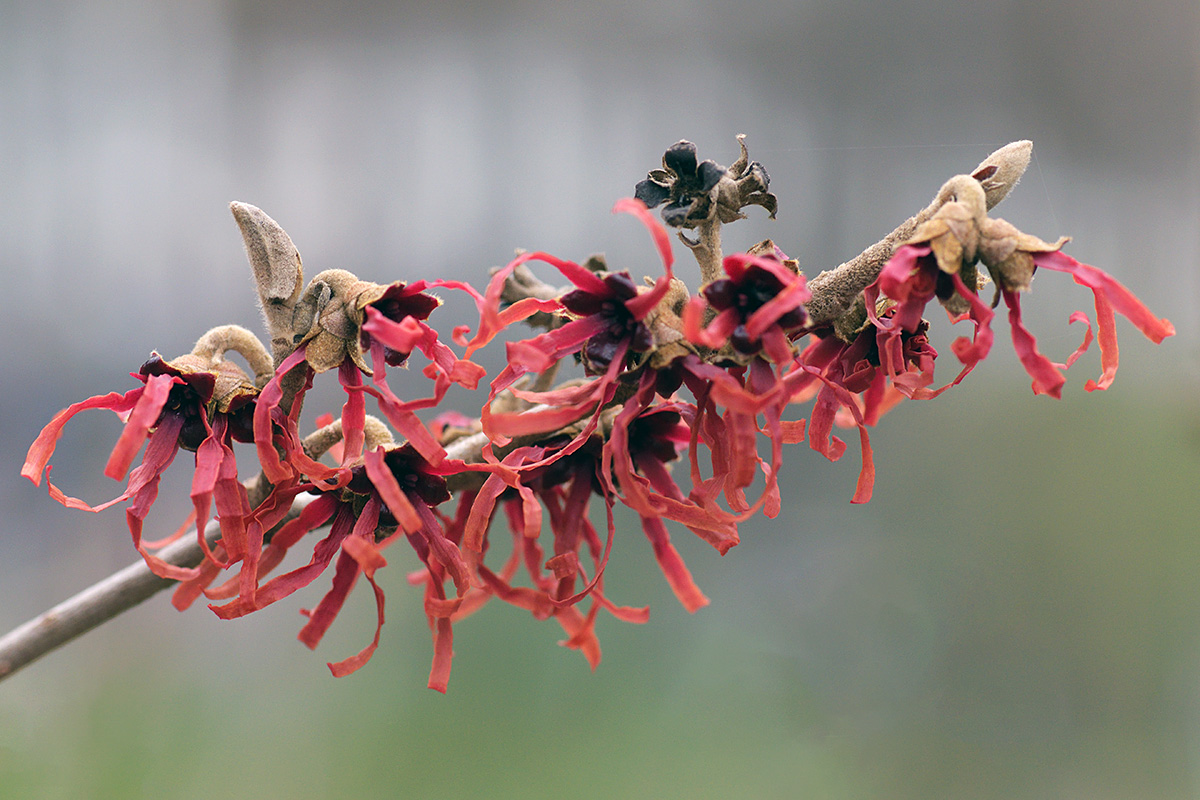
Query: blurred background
[(1016, 614)]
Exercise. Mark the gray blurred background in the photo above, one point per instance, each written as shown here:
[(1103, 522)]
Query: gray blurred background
[(1016, 613)]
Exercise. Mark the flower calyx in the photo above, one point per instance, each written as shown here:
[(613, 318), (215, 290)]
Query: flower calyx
[(402, 478), (953, 231), (1008, 254), (206, 388), (330, 315)]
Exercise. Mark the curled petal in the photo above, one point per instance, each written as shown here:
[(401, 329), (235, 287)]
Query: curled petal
[(1046, 377), (401, 414), (641, 305), (410, 333), (1079, 316), (672, 566), (908, 282), (143, 489), (345, 575), (389, 490), (354, 412), (283, 585), (1110, 297), (492, 319), (211, 464), (443, 654), (311, 517), (267, 414), (972, 352), (143, 417), (43, 446), (540, 352), (717, 332), (1121, 299), (822, 440)]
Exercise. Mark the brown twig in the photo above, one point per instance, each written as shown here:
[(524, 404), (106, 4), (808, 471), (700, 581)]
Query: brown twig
[(135, 584), (834, 291)]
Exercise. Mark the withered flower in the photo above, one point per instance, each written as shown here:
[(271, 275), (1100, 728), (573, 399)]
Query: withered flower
[(695, 192)]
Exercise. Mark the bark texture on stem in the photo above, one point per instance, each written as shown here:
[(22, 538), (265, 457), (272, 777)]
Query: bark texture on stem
[(834, 291), (93, 606)]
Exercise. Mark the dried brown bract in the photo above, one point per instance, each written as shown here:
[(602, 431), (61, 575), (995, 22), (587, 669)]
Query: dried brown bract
[(1008, 253)]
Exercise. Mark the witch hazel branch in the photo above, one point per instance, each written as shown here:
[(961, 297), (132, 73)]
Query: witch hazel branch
[(680, 404)]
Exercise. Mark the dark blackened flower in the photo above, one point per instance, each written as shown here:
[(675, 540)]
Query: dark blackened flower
[(199, 402), (684, 184), (699, 191)]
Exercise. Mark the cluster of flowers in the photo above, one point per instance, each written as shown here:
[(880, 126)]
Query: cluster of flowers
[(713, 375)]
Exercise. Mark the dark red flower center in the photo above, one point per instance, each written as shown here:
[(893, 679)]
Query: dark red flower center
[(412, 473), (652, 433), (747, 294), (621, 327), (397, 303)]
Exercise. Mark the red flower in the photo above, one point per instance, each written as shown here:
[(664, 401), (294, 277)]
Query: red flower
[(1012, 258), (187, 403), (360, 317), (911, 278), (917, 272), (755, 311), (608, 327), (395, 326), (757, 306), (391, 492), (533, 481), (644, 437), (857, 367)]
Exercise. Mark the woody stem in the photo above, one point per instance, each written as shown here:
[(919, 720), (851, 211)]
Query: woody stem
[(834, 291), (317, 443), (707, 250), (135, 584), (213, 345)]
